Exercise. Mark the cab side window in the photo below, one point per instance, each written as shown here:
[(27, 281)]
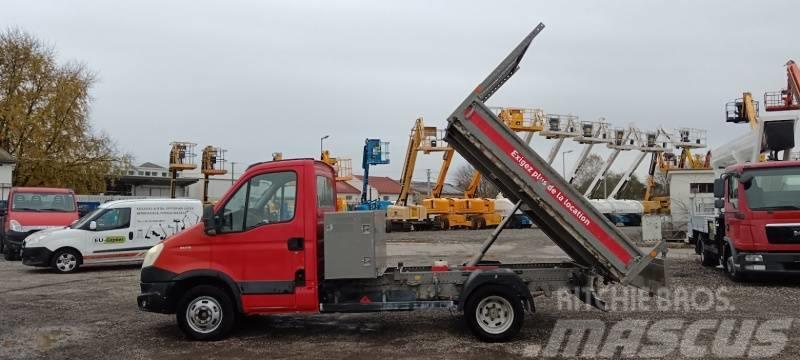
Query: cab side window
[(325, 192), (113, 219), (733, 192), (233, 212), (272, 199), (266, 198)]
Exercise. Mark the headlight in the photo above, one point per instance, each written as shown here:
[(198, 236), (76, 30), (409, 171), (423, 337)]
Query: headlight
[(15, 225), (152, 255), (753, 258)]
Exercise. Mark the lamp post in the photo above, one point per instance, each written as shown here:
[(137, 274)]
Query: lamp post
[(320, 144), (564, 162), (233, 179)]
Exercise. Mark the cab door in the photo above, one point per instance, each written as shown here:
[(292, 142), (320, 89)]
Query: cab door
[(110, 238), (733, 211), (260, 242)]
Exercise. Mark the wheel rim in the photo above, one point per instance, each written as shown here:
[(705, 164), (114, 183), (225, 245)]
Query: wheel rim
[(66, 262), (494, 314), (204, 314)]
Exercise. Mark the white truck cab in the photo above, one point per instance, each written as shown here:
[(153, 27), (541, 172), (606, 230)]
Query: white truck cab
[(116, 233)]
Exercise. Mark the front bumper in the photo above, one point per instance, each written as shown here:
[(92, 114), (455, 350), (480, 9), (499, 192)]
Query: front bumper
[(153, 297), (15, 238), (771, 263), (36, 256)]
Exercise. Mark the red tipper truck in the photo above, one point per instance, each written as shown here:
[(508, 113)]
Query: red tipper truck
[(273, 244)]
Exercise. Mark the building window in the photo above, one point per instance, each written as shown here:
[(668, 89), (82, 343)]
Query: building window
[(701, 188), (130, 172), (164, 174), (146, 173), (348, 197), (385, 198), (140, 173)]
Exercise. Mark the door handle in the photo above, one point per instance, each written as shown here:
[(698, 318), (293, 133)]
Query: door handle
[(738, 215), (295, 243)]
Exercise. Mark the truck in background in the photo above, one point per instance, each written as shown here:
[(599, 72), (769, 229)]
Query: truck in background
[(31, 209), (756, 229)]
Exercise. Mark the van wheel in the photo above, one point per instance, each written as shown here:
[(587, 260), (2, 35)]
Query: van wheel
[(206, 313), (65, 261), (494, 313)]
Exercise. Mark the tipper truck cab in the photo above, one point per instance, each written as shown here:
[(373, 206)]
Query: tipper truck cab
[(32, 209), (757, 226), (274, 244)]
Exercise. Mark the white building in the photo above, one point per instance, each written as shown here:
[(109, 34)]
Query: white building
[(690, 189), (7, 165)]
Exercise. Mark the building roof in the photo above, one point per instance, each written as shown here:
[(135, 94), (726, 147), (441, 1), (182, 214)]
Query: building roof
[(6, 158), (151, 165), (383, 184), (449, 190), (345, 188)]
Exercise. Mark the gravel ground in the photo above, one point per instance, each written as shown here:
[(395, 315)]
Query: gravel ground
[(93, 314)]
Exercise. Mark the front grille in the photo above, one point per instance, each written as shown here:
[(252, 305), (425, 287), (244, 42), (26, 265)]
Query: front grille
[(789, 234)]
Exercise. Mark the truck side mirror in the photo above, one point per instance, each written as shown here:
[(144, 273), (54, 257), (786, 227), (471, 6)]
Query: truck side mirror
[(93, 225), (719, 188), (209, 221), (719, 203)]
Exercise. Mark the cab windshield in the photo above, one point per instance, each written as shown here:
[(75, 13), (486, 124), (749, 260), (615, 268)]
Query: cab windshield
[(772, 189), (42, 202)]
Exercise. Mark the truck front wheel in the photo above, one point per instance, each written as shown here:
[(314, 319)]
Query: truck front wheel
[(206, 313), (730, 267), (494, 313)]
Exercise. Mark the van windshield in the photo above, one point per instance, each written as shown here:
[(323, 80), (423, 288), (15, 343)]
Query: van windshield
[(773, 189), (81, 223), (43, 202)]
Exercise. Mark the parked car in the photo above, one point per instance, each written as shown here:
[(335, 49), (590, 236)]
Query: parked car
[(116, 233), (32, 209)]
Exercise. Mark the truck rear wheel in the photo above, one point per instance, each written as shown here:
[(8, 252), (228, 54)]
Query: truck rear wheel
[(707, 258), (206, 313), (494, 313)]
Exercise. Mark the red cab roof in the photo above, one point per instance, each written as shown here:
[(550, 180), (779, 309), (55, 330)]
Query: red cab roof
[(43, 190), (762, 165)]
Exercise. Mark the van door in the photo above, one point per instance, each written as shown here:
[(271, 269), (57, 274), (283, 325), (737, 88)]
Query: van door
[(112, 239), (261, 239)]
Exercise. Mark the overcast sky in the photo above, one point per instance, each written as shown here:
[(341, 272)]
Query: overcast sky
[(259, 77)]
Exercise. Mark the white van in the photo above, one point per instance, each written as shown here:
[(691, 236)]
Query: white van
[(116, 233)]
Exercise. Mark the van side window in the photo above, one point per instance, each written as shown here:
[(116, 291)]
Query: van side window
[(325, 192), (272, 198), (733, 192), (233, 212), (113, 219)]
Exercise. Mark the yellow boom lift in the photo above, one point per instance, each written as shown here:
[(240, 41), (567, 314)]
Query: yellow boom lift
[(425, 139), (344, 172)]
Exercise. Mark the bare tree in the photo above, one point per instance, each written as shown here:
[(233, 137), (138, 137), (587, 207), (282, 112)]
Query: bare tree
[(591, 166), (463, 176)]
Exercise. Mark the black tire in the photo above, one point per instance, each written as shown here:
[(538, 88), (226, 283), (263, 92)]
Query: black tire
[(474, 224), (206, 301), (10, 253), (66, 261), (696, 239), (733, 274), (497, 303), (707, 258), (482, 223), (2, 244), (388, 226)]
